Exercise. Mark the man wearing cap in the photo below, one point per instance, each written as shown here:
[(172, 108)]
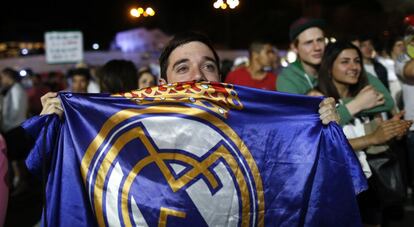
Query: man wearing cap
[(301, 77), (308, 41), (257, 73)]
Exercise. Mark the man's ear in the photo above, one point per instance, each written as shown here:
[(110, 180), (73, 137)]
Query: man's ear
[(293, 47), (161, 81)]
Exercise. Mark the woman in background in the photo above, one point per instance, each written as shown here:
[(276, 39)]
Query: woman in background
[(342, 76)]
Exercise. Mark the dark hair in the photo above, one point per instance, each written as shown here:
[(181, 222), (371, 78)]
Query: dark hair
[(389, 45), (11, 73), (144, 70), (179, 40), (326, 86), (257, 46), (118, 76), (79, 71)]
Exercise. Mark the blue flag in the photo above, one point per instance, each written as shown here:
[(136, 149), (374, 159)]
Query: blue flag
[(195, 154)]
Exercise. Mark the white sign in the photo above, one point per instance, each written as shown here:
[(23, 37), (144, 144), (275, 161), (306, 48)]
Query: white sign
[(64, 47)]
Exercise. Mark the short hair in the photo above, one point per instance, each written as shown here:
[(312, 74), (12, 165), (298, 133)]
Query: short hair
[(179, 40), (331, 53), (11, 73), (118, 76), (257, 46), (79, 71), (389, 46)]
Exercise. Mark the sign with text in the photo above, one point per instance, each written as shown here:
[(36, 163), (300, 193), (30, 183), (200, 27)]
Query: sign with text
[(64, 47)]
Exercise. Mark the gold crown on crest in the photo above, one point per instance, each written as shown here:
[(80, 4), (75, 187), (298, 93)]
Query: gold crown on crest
[(217, 97)]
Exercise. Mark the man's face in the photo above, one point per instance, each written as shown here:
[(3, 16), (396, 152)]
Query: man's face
[(398, 48), (192, 61), (79, 84), (310, 46), (266, 56), (367, 49)]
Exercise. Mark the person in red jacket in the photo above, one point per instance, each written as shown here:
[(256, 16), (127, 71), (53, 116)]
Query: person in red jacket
[(258, 73)]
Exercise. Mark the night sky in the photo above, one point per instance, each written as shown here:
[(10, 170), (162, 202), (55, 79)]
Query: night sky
[(252, 19)]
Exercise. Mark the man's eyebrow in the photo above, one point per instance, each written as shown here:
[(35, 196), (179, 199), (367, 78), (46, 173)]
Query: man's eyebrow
[(180, 61), (210, 59)]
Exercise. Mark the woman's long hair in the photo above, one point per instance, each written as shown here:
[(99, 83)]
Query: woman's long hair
[(326, 85)]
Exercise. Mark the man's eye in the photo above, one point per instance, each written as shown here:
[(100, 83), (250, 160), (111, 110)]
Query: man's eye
[(210, 67), (182, 69)]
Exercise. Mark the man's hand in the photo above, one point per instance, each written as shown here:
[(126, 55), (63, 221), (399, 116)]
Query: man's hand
[(327, 111), (51, 104)]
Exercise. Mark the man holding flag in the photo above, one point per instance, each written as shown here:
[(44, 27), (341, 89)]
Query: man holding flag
[(195, 153)]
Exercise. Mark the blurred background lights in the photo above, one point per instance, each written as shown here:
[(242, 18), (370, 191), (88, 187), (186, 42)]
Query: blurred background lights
[(284, 62), (140, 10), (95, 46), (217, 4), (291, 56), (134, 12), (23, 73), (137, 12), (150, 11), (25, 51), (220, 4)]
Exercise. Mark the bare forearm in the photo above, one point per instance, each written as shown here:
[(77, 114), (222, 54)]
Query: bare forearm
[(362, 142)]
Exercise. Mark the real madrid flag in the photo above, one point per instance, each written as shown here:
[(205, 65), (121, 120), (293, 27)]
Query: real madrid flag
[(195, 154)]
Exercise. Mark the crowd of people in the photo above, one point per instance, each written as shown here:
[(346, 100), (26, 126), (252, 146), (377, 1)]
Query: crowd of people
[(372, 90)]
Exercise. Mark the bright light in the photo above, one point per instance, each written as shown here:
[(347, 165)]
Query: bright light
[(134, 12), (145, 14), (291, 56), (227, 3), (232, 3), (326, 40), (140, 10), (333, 40), (150, 11), (95, 46), (217, 4), (23, 73), (25, 51), (283, 62)]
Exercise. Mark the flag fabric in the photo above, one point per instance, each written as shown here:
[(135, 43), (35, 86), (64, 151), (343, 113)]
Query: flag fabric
[(195, 154)]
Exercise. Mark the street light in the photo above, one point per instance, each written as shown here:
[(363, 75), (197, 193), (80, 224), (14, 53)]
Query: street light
[(134, 12), (137, 12), (223, 5), (150, 11)]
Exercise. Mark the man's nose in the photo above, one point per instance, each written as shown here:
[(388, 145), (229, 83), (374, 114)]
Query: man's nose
[(317, 46), (198, 75)]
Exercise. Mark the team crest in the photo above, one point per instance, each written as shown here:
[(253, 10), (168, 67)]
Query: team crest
[(171, 165)]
